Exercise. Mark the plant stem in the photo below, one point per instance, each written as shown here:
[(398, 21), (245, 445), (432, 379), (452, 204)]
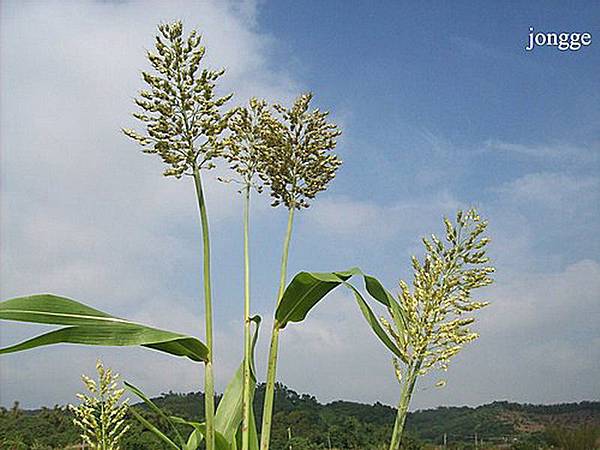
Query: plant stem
[(407, 391), (265, 432), (209, 388), (247, 402)]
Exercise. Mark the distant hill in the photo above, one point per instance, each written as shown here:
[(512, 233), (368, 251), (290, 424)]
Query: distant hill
[(339, 424)]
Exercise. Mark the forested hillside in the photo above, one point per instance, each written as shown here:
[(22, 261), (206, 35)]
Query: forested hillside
[(301, 422)]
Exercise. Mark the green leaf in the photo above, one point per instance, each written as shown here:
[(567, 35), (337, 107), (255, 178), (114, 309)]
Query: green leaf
[(374, 323), (200, 430), (308, 288), (89, 326), (155, 430), (383, 296), (229, 412), (154, 408), (305, 290), (377, 291), (194, 440)]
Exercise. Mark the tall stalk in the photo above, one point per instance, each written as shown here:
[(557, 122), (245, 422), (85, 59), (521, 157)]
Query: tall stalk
[(405, 397), (209, 386), (297, 165), (245, 147), (431, 323), (265, 433), (183, 124), (247, 398)]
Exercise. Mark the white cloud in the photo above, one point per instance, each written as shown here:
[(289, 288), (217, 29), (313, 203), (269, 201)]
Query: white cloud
[(565, 152), (553, 190), (345, 217), (83, 212)]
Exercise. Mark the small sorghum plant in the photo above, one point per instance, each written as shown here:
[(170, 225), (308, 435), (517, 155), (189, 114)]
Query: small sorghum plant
[(101, 415), (430, 324)]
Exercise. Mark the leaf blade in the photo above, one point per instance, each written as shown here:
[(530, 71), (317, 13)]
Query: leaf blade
[(305, 290), (89, 326), (374, 323)]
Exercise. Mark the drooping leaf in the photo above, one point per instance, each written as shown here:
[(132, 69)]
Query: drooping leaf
[(89, 326), (377, 291), (304, 291), (230, 410), (383, 296), (308, 288), (374, 323)]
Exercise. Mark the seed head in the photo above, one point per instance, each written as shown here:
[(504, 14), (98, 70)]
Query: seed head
[(181, 113), (435, 322), (299, 162), (248, 141), (100, 416)]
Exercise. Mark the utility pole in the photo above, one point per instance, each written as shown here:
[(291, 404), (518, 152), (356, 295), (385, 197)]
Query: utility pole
[(445, 440), (290, 437), (476, 446)]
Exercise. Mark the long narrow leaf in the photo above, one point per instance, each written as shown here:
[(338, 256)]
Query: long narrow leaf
[(155, 430), (383, 296), (229, 412), (308, 288), (155, 408), (374, 323), (220, 441), (89, 326), (194, 440)]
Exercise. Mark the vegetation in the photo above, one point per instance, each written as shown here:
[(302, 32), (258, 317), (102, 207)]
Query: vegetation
[(430, 324), (339, 424), (100, 416), (184, 122), (289, 150)]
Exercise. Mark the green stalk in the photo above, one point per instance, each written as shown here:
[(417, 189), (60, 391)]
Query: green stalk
[(405, 397), (247, 404), (265, 432), (209, 386)]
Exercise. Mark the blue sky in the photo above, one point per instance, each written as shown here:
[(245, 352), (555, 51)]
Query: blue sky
[(441, 109)]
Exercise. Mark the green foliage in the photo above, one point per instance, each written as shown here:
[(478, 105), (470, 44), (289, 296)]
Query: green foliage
[(429, 325), (90, 326), (497, 423), (586, 437), (181, 112), (304, 291), (228, 418), (100, 416)]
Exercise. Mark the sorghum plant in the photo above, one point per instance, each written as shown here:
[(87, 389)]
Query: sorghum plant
[(247, 145), (184, 123), (430, 323), (100, 415), (298, 164), (291, 152)]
